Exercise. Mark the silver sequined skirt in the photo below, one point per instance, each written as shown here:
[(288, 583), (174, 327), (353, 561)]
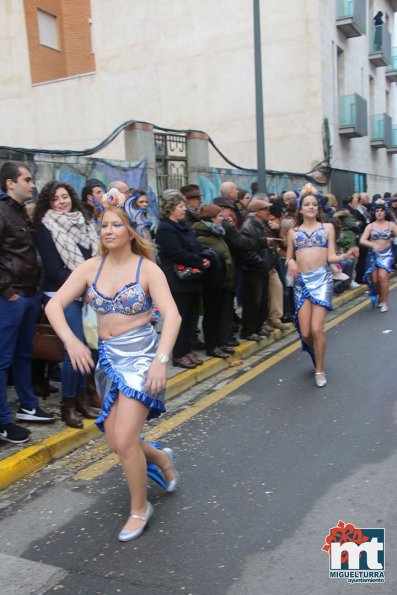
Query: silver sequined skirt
[(122, 366), (382, 259), (317, 286)]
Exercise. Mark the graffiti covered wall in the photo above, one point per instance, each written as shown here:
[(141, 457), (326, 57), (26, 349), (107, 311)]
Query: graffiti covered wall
[(211, 179), (76, 171)]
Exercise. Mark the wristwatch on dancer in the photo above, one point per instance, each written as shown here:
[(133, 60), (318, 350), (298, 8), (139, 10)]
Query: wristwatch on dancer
[(162, 357)]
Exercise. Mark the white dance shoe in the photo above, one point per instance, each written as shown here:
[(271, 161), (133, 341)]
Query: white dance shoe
[(130, 535), (173, 484), (320, 382)]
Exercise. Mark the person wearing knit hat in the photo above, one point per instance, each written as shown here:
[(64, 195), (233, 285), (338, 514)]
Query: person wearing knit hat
[(218, 283), (208, 212)]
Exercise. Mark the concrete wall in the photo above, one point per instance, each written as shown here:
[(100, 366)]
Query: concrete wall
[(190, 65), (356, 154)]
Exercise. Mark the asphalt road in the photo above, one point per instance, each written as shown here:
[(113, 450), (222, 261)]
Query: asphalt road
[(266, 469)]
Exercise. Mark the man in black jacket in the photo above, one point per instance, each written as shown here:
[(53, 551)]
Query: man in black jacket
[(241, 246), (19, 301), (256, 265), (355, 229)]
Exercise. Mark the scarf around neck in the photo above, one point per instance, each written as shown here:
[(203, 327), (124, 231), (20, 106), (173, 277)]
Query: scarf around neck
[(216, 229), (69, 231)]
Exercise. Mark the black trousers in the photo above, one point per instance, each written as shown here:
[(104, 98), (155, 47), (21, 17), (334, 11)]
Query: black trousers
[(227, 318), (218, 316), (187, 304), (255, 301), (360, 266)]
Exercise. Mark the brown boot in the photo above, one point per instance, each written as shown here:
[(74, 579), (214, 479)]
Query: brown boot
[(94, 399), (83, 407), (69, 413)]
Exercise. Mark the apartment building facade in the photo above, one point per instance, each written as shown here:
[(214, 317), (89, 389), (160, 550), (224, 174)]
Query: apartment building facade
[(76, 69)]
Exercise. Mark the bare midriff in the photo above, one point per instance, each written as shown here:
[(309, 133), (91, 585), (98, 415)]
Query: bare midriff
[(380, 245), (114, 324), (309, 259)]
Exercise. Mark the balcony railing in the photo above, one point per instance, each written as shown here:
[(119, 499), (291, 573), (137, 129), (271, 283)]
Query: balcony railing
[(351, 17), (380, 46), (393, 145), (380, 131), (391, 70), (353, 116)]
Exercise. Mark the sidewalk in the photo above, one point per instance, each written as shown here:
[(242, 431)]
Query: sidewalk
[(52, 441)]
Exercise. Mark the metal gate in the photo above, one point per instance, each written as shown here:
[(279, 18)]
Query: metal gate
[(171, 161)]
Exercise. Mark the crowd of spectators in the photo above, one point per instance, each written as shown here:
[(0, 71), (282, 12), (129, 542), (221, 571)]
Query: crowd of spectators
[(237, 244), (224, 262)]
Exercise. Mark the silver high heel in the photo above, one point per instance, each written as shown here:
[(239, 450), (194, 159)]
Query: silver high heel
[(318, 382), (173, 484), (129, 535)]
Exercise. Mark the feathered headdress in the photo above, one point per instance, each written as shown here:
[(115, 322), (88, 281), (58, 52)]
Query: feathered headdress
[(310, 189), (136, 215)]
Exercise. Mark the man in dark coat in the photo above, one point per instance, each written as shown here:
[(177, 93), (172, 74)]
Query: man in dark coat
[(19, 301), (256, 265)]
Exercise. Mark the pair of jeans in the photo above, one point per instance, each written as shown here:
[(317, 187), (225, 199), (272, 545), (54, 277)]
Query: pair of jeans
[(73, 381), (17, 320)]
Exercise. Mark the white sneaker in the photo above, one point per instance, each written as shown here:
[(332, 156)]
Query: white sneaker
[(354, 285), (384, 308)]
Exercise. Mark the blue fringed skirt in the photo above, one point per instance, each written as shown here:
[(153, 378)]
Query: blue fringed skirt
[(122, 366), (383, 259), (316, 286)]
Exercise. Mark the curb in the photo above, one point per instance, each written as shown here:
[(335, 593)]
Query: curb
[(33, 458)]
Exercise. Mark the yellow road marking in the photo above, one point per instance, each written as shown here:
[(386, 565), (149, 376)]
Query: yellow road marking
[(178, 419)]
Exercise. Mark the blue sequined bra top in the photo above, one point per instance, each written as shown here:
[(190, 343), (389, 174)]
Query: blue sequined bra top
[(380, 235), (129, 300), (317, 239)]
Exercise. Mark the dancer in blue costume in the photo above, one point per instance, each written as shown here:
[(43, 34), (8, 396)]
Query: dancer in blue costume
[(139, 213), (310, 248), (378, 236), (131, 371)]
